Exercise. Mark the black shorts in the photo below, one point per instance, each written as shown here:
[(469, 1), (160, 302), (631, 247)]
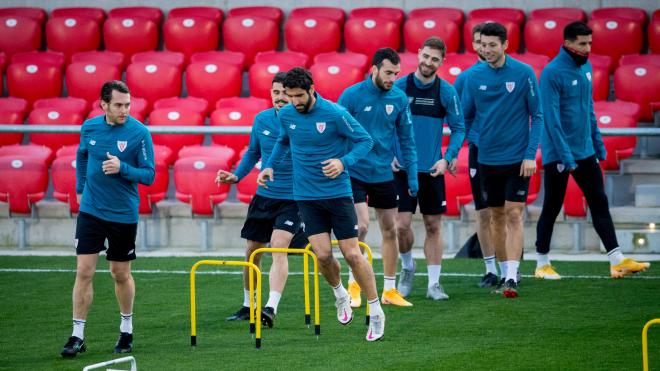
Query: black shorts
[(266, 214), (500, 183), (431, 194), (91, 233), (336, 215), (475, 178), (379, 195)]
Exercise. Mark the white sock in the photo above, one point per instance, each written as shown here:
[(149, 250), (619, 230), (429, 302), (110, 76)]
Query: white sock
[(616, 257), (541, 260), (389, 283), (503, 268), (351, 278), (375, 308), (246, 298), (512, 270), (274, 299), (407, 260), (126, 323), (78, 328), (434, 274), (340, 291), (490, 264)]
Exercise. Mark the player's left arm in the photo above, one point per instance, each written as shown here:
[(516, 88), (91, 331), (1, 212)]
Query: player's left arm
[(535, 110), (348, 127), (406, 140), (596, 137), (144, 172), (454, 118)]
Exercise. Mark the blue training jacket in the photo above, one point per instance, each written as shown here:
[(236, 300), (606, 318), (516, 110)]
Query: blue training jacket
[(265, 130), (428, 130), (471, 127), (505, 102), (383, 114), (321, 134), (113, 197), (571, 132)]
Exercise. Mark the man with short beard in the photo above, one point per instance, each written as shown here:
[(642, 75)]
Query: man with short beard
[(432, 102)]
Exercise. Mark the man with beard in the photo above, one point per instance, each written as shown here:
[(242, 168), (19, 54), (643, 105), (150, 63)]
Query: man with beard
[(432, 101), (572, 145), (272, 214), (382, 109), (317, 132), (503, 98)]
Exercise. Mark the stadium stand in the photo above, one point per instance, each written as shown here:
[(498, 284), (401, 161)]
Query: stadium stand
[(191, 34), (130, 35), (84, 80), (19, 34), (176, 117), (71, 35), (331, 79), (312, 36), (250, 35), (96, 14)]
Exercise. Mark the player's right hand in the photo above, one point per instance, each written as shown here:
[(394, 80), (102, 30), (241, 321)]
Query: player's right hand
[(225, 177), (439, 167), (395, 165), (264, 176)]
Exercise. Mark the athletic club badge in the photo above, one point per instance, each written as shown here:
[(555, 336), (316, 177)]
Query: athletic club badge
[(473, 172), (510, 85), (560, 168), (389, 109), (121, 145), (320, 127), (588, 75)]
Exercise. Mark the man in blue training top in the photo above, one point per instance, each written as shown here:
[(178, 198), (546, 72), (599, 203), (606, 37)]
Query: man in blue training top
[(432, 102), (572, 144), (502, 96), (317, 132), (272, 214), (115, 154), (483, 215), (382, 109)]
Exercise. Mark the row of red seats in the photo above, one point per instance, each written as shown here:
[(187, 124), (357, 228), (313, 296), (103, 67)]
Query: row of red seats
[(617, 31)]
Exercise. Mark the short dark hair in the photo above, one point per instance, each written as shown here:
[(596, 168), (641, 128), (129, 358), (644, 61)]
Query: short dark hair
[(110, 86), (279, 77), (298, 77), (494, 29), (385, 53), (435, 43), (575, 29), (477, 29)]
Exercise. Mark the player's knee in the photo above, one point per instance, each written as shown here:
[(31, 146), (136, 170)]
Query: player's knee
[(353, 257), (363, 228), (84, 274), (514, 216), (120, 275), (324, 258), (389, 232), (484, 217)]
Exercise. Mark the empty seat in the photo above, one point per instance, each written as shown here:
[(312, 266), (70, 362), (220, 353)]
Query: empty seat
[(273, 13), (618, 107), (512, 30), (174, 58), (24, 181), (417, 30), (157, 191), (71, 35), (331, 79), (618, 147), (600, 83), (13, 104), (312, 36), (637, 15), (455, 64), (498, 14), (603, 62), (55, 117), (451, 14), (56, 59), (654, 32), (130, 35), (194, 179), (212, 13), (153, 81), (638, 84), (394, 14), (115, 59), (63, 173), (220, 57), (354, 59), (10, 114), (457, 188), (146, 12), (77, 105), (250, 35), (640, 60), (574, 14), (227, 154), (545, 35), (33, 13), (40, 152), (198, 105), (3, 62), (176, 117), (96, 14), (331, 13), (536, 61), (366, 35), (616, 36), (261, 75), (286, 57), (34, 81), (535, 181), (236, 112), (212, 81), (191, 34), (163, 154), (19, 34), (69, 150), (84, 80), (409, 63)]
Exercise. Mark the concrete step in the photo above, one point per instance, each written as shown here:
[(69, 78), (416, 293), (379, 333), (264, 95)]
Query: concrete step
[(647, 195)]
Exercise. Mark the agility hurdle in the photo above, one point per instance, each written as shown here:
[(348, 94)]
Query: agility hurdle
[(113, 362), (645, 342), (370, 258), (306, 253), (252, 267)]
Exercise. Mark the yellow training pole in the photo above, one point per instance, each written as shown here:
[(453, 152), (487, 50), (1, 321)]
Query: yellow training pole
[(645, 344)]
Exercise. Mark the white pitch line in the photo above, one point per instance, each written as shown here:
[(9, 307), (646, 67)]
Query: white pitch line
[(239, 272)]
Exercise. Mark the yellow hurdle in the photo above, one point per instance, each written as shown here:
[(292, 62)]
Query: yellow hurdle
[(252, 267), (370, 258), (645, 343), (306, 253)]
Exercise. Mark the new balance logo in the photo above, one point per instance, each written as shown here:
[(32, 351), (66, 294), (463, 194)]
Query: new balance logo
[(292, 126), (367, 109), (130, 251), (574, 82), (356, 227), (482, 87), (289, 223), (266, 132), (521, 193), (92, 142)]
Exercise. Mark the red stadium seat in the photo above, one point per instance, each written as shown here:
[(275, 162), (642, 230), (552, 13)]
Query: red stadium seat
[(176, 117), (455, 64), (72, 104), (236, 112), (268, 12), (56, 59), (174, 58), (366, 35), (512, 30), (602, 62), (287, 57), (458, 191), (194, 179), (535, 181), (151, 13), (250, 35), (331, 13), (640, 60), (65, 151), (163, 154), (618, 148), (354, 59), (84, 80), (71, 35), (394, 14), (213, 80), (312, 36), (24, 181), (19, 34), (536, 61), (190, 35), (198, 105), (451, 14), (409, 63), (115, 59), (574, 14), (55, 117), (247, 187), (220, 57), (3, 62), (12, 104), (153, 81), (156, 192), (545, 35), (63, 173), (241, 103), (639, 84), (36, 14), (637, 15), (417, 30), (218, 152), (10, 117), (600, 82), (138, 108), (130, 35), (212, 13), (618, 107), (96, 14), (261, 75), (34, 81), (616, 36), (331, 79), (654, 32), (42, 153), (498, 14)]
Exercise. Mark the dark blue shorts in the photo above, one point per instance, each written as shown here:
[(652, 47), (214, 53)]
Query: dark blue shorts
[(91, 233), (266, 214), (323, 216), (381, 195)]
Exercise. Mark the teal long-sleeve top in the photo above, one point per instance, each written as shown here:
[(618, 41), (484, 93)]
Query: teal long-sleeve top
[(471, 127)]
